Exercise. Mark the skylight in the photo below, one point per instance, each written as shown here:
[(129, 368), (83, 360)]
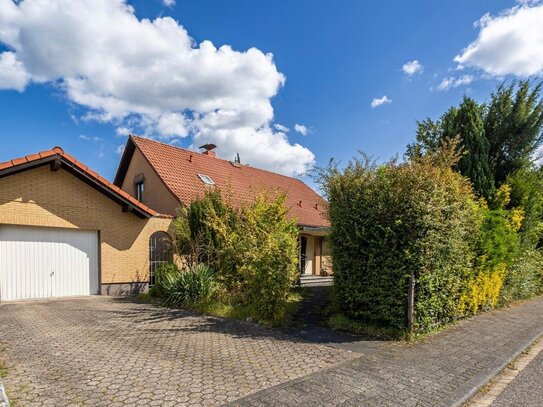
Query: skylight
[(206, 179)]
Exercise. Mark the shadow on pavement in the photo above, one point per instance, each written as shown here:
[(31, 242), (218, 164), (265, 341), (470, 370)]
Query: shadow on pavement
[(306, 325)]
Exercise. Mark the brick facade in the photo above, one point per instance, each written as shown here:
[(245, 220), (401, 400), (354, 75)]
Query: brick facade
[(155, 195), (40, 197)]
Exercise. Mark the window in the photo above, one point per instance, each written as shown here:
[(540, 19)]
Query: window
[(206, 179), (139, 191), (160, 253)]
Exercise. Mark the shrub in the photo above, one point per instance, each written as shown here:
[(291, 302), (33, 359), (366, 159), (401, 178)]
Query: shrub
[(527, 194), (195, 240), (524, 278), (498, 242), (482, 291), (185, 288), (395, 220), (257, 259), (161, 274), (253, 249)]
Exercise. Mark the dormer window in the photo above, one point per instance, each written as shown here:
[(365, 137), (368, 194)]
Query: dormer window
[(206, 179)]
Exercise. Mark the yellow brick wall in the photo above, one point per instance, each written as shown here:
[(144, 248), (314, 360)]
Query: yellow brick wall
[(155, 195), (40, 197)]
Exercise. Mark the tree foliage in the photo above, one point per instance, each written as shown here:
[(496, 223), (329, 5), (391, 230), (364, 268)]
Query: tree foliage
[(498, 138), (467, 122), (513, 122)]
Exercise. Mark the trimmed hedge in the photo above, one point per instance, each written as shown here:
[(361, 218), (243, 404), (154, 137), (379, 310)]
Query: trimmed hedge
[(421, 218), (394, 220)]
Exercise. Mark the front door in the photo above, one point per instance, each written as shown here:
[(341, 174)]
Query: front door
[(307, 255)]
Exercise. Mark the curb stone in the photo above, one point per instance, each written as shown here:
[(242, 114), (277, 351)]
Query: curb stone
[(4, 402), (464, 393)]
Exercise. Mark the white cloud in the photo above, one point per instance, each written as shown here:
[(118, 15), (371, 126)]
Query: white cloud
[(279, 153), (412, 67), (300, 128), (168, 3), (508, 44), (122, 131), (87, 138), (376, 102), (172, 125), (12, 73), (148, 76), (120, 149), (281, 128), (452, 82)]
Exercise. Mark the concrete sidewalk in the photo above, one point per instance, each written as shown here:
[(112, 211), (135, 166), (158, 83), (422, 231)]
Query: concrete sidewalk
[(444, 370)]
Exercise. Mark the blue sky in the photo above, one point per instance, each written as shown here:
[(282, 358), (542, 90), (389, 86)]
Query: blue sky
[(337, 57)]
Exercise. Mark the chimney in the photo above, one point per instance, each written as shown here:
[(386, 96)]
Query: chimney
[(208, 150)]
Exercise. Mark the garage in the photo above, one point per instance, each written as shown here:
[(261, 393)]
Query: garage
[(40, 262), (66, 231)]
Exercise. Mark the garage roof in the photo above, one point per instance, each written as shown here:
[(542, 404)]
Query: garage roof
[(57, 158)]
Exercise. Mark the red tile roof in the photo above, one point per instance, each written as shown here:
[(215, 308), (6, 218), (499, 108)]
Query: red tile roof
[(57, 151), (179, 168)]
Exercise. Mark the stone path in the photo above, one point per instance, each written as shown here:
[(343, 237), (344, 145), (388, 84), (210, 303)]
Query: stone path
[(100, 351), (444, 370), (308, 323)]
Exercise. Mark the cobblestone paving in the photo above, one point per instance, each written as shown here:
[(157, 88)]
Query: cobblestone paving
[(435, 372), (99, 351)]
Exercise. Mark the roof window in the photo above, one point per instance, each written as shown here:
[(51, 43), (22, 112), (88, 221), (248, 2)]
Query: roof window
[(206, 179)]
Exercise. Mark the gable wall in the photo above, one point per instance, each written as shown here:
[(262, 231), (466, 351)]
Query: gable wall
[(40, 197), (156, 196)]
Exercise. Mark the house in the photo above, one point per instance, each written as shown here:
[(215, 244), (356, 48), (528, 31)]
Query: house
[(162, 177), (66, 231)]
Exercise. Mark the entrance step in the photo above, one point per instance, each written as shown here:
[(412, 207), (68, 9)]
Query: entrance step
[(316, 281)]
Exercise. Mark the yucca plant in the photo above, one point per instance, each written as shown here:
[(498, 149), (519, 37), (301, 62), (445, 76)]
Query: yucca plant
[(187, 287), (161, 274)]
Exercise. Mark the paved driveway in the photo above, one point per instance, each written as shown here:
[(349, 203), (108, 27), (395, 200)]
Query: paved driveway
[(100, 351)]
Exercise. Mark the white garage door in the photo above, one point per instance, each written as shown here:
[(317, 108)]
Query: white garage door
[(38, 262)]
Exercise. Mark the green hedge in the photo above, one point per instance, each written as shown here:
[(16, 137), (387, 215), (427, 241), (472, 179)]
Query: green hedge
[(394, 220), (421, 218)]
